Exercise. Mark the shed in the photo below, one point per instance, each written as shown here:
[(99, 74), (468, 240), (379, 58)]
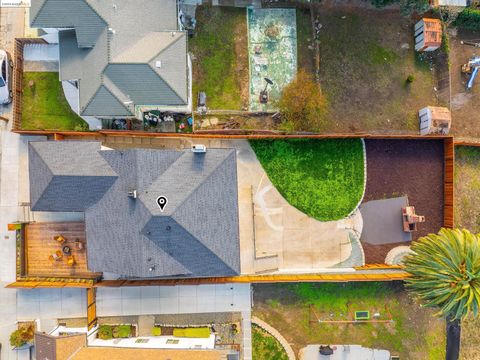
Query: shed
[(428, 34), (434, 120)]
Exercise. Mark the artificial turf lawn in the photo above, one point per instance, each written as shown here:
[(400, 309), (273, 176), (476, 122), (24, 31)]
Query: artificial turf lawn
[(265, 346), (45, 106), (322, 178)]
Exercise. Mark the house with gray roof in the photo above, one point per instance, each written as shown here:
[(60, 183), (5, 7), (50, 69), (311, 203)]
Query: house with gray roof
[(125, 56), (196, 233)]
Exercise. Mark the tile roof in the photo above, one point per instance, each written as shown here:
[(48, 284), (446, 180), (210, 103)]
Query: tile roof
[(195, 236), (119, 53)]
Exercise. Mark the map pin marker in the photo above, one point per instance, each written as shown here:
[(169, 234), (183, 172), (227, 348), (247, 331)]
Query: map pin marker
[(162, 202)]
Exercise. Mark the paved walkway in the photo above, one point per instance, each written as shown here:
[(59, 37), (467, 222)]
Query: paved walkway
[(274, 332)]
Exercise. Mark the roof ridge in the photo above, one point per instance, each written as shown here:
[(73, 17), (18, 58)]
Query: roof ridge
[(200, 183), (166, 82), (169, 45), (199, 242), (95, 94), (38, 12), (96, 12), (162, 51)]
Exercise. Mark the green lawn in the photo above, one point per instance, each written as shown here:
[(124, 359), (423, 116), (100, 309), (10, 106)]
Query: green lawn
[(220, 64), (265, 346), (45, 106), (294, 310), (322, 178), (467, 188)]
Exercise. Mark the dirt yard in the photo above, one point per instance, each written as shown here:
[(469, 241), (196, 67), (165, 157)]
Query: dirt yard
[(294, 308), (406, 167), (465, 104), (467, 188), (365, 59)]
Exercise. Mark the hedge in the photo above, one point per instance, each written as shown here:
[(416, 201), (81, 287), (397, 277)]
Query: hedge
[(468, 19), (200, 332)]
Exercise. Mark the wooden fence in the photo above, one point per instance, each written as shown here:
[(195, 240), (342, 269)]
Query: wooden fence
[(18, 79), (448, 181), (91, 308)]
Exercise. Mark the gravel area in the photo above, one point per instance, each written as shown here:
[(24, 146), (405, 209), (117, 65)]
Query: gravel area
[(406, 167)]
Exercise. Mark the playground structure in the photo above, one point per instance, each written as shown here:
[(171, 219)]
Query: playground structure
[(471, 68)]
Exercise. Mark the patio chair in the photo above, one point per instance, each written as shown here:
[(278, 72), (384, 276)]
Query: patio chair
[(59, 238), (56, 256), (70, 261)]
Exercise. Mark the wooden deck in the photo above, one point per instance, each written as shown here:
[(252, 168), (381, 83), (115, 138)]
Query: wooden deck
[(40, 244)]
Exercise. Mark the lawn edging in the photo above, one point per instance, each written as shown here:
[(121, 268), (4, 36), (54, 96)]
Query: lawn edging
[(364, 178), (274, 332)]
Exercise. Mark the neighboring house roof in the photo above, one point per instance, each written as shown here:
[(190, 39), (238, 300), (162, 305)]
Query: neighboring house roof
[(48, 347), (123, 54), (196, 235), (75, 347), (104, 353)]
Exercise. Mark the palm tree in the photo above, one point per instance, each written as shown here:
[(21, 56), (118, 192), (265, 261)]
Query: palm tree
[(445, 273)]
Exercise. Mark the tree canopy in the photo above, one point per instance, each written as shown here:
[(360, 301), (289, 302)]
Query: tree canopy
[(445, 272)]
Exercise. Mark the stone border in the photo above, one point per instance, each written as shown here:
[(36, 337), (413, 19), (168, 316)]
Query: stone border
[(272, 331), (364, 178)]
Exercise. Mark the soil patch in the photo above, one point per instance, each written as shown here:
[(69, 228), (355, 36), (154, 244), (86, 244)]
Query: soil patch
[(406, 167)]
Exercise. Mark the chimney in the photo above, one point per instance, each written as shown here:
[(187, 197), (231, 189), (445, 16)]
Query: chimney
[(132, 194)]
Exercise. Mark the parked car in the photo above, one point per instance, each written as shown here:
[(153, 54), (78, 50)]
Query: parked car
[(6, 79)]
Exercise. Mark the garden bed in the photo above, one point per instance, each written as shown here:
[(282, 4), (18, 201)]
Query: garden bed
[(288, 308), (44, 105), (265, 346), (322, 178), (406, 167)]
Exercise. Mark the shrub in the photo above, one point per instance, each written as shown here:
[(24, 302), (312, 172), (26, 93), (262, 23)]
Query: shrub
[(156, 331), (22, 336), (200, 332), (468, 19), (302, 103), (409, 6), (122, 331), (383, 3), (105, 332), (410, 79)]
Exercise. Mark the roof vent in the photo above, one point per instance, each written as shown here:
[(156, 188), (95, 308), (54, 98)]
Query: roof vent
[(111, 31), (158, 64), (173, 33), (132, 194)]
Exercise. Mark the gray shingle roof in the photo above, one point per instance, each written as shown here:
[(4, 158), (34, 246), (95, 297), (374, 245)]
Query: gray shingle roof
[(118, 48), (60, 184), (196, 235), (76, 14)]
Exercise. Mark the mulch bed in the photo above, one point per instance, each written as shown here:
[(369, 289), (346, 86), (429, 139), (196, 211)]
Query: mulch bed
[(406, 167)]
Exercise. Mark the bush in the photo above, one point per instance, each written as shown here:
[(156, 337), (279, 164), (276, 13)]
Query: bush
[(22, 336), (105, 332), (383, 3), (302, 103), (468, 19), (156, 331), (122, 331), (409, 6), (200, 332), (410, 79)]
